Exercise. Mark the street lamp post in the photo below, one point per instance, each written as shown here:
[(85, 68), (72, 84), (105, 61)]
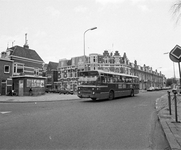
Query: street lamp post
[(84, 43), (158, 79)]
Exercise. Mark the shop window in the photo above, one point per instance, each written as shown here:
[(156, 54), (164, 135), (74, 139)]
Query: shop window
[(6, 69)]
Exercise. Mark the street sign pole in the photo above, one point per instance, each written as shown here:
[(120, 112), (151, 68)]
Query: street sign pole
[(175, 56), (179, 74)]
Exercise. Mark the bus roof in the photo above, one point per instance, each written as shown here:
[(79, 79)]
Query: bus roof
[(113, 73)]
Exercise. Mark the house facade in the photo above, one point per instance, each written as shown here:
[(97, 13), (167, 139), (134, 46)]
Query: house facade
[(52, 75), (68, 70), (5, 74), (26, 70)]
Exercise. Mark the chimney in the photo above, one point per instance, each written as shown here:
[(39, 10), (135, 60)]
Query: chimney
[(3, 54), (26, 42)]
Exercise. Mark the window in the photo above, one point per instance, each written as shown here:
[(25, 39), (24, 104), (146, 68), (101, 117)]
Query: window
[(35, 83), (117, 61), (6, 69), (94, 59), (18, 68), (36, 72)]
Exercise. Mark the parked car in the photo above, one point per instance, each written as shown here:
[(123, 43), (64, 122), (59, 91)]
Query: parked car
[(151, 89), (66, 91), (51, 90), (157, 88), (166, 88), (176, 89), (47, 90)]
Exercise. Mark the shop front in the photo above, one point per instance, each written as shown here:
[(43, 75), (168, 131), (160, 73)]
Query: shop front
[(29, 85)]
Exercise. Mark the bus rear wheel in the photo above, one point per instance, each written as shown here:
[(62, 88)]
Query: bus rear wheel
[(111, 95)]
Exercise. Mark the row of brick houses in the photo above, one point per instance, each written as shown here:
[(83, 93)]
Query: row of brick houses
[(20, 71), (64, 74)]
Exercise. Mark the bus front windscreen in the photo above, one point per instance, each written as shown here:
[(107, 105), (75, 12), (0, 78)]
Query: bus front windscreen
[(87, 78)]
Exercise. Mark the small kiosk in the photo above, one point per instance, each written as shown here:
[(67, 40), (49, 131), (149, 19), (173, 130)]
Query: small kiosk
[(27, 85)]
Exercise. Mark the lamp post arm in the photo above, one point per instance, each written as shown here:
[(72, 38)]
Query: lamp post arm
[(84, 41)]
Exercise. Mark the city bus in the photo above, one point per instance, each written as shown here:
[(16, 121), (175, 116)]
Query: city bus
[(100, 84)]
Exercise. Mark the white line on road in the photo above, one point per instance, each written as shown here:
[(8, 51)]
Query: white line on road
[(5, 112), (50, 137)]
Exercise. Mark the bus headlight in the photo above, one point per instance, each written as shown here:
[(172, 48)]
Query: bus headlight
[(93, 93)]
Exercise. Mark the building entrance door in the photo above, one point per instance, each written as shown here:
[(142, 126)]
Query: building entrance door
[(3, 89), (21, 85)]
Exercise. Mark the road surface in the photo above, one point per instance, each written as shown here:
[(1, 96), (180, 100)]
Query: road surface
[(128, 123)]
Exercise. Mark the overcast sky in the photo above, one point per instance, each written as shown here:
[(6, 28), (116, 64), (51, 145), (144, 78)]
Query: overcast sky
[(144, 29)]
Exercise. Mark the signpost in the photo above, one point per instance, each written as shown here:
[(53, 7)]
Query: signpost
[(175, 56)]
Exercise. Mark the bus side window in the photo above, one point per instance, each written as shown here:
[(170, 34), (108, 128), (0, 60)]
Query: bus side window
[(111, 80), (123, 79), (103, 79), (99, 80), (115, 79), (120, 79), (108, 79)]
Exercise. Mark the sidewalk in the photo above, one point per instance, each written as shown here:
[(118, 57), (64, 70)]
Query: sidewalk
[(171, 128), (48, 97)]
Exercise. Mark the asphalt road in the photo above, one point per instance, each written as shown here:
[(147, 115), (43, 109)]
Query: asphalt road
[(126, 123)]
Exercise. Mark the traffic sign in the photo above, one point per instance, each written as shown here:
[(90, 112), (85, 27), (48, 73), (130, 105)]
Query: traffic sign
[(175, 54)]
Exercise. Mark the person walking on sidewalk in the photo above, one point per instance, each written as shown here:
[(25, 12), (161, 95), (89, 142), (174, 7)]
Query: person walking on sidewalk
[(30, 91)]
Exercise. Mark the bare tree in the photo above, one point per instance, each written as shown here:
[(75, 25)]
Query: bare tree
[(176, 8)]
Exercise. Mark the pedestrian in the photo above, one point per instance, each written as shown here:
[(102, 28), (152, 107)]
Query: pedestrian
[(30, 91)]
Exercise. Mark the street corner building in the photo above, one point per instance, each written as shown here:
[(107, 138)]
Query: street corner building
[(21, 68)]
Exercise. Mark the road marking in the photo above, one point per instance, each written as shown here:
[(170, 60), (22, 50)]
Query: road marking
[(50, 137), (5, 112), (157, 103)]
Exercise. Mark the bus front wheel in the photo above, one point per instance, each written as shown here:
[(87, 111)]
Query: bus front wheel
[(111, 95), (94, 99), (132, 93)]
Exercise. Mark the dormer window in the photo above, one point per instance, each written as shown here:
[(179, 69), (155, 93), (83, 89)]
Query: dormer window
[(36, 71), (117, 61)]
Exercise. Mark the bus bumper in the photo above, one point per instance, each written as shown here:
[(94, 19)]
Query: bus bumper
[(86, 96)]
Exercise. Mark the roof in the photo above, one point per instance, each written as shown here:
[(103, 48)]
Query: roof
[(5, 59), (29, 76), (25, 53), (53, 65), (124, 55)]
